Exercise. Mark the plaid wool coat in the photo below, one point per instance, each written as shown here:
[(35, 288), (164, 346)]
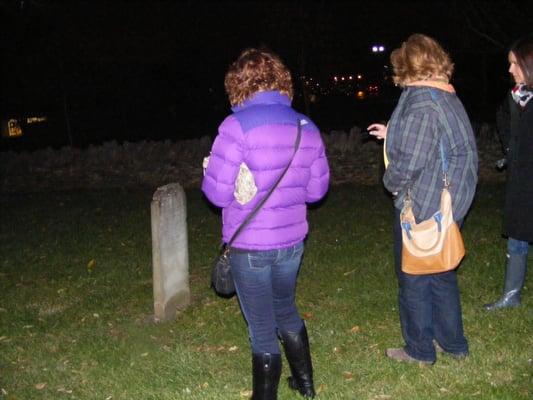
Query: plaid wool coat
[(424, 118)]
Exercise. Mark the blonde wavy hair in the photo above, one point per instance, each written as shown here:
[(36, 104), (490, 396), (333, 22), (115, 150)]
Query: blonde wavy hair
[(256, 70), (420, 57)]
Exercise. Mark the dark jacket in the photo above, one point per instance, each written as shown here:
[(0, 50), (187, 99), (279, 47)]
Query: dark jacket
[(516, 131)]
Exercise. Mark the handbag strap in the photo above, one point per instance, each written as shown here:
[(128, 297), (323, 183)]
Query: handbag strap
[(444, 162), (443, 159), (265, 198)]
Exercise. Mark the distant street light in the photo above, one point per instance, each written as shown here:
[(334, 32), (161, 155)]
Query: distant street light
[(378, 48)]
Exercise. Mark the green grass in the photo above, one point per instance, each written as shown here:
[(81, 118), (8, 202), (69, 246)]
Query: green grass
[(73, 328)]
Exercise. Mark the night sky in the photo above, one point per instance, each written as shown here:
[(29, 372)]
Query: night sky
[(134, 70)]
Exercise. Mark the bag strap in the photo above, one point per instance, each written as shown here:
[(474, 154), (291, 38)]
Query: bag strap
[(444, 162), (265, 198), (443, 159)]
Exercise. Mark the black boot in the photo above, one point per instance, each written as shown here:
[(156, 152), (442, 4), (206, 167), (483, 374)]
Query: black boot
[(296, 345), (266, 369), (515, 274)]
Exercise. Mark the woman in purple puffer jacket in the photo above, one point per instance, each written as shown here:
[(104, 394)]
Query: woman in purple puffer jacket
[(253, 146)]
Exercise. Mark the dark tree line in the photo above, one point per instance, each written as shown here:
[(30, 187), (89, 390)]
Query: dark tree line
[(139, 67)]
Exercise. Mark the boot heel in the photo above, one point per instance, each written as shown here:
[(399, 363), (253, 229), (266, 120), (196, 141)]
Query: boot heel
[(296, 346), (266, 369), (515, 273), (307, 392), (510, 299)]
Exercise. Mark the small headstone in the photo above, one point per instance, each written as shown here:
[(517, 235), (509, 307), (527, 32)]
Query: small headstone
[(170, 256)]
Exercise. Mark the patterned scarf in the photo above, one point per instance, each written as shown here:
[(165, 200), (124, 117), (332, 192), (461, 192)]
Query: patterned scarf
[(521, 94)]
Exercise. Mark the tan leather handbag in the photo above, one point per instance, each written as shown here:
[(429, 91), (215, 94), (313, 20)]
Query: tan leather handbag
[(434, 245)]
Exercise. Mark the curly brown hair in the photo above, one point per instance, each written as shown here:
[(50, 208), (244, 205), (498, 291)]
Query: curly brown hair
[(256, 70), (420, 57)]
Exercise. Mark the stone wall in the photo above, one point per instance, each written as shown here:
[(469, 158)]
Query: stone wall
[(352, 157)]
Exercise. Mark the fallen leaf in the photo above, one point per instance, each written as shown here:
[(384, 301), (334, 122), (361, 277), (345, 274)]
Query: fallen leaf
[(347, 375), (40, 386), (91, 264), (245, 393), (233, 348), (355, 329), (308, 315), (321, 388)]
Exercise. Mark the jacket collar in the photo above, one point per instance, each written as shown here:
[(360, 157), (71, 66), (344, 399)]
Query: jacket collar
[(263, 98), (435, 84)]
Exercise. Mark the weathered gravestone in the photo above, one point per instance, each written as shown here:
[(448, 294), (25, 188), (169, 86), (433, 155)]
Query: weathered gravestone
[(170, 255)]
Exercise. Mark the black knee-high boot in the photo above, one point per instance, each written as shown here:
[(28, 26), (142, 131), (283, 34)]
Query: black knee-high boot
[(296, 345), (266, 369)]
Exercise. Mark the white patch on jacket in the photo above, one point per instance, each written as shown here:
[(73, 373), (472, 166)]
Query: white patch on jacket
[(245, 188)]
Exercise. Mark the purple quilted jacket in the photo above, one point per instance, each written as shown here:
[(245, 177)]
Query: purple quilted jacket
[(261, 133)]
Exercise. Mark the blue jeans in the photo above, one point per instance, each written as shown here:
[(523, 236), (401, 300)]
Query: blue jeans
[(430, 308), (266, 287), (517, 247)]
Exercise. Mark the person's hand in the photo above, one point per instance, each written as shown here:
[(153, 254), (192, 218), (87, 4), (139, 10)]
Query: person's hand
[(378, 130), (205, 163)]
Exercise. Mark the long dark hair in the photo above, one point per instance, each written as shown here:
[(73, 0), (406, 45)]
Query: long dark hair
[(523, 51)]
